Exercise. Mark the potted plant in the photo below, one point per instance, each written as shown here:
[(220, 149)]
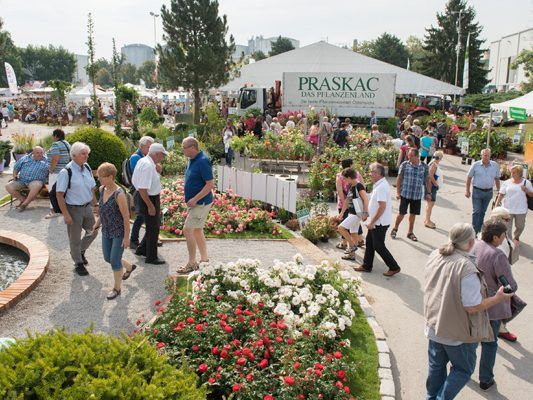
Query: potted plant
[(22, 144), (5, 148)]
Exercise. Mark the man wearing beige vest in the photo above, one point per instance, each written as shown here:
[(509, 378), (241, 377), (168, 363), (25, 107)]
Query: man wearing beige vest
[(455, 304)]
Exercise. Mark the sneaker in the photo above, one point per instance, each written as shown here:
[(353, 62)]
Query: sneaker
[(508, 336), (81, 270), (486, 386)]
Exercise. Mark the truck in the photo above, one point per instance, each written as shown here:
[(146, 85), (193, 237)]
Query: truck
[(344, 94)]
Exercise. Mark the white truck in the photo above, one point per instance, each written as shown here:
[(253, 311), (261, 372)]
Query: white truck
[(344, 94)]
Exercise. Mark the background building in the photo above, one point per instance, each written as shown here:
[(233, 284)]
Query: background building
[(503, 52), (259, 43), (80, 75), (137, 54)]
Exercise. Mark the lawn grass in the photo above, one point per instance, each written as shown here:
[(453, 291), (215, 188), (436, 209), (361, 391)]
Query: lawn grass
[(285, 234)]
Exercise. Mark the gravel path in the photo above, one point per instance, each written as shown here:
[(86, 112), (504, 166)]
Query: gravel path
[(65, 299)]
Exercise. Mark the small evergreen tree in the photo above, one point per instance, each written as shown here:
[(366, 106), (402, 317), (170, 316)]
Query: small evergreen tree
[(390, 49), (91, 70), (280, 45), (197, 55), (440, 42), (115, 62)]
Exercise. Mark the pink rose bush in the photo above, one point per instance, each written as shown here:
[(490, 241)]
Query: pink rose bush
[(262, 333), (229, 214)]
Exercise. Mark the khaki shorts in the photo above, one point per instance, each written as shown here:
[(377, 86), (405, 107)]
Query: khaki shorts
[(197, 216)]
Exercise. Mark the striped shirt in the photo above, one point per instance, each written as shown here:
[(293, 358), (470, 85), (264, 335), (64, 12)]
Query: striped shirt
[(30, 170), (61, 148), (413, 180)]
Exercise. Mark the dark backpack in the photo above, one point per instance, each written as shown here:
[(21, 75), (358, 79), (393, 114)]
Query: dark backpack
[(53, 192), (127, 173), (529, 199)]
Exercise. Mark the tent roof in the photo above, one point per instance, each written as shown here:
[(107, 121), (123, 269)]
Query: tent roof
[(87, 91), (325, 57), (525, 101)]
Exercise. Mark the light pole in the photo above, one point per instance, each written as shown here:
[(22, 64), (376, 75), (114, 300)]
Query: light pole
[(155, 34)]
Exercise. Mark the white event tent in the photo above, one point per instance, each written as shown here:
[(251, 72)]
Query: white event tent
[(84, 93), (525, 101), (325, 57)]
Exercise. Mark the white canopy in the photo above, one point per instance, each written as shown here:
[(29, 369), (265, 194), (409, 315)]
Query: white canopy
[(525, 101), (87, 91), (325, 57)]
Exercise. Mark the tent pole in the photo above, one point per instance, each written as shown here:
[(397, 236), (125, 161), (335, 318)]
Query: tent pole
[(490, 126)]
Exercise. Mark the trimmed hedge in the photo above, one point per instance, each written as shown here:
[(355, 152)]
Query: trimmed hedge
[(105, 146), (57, 365)]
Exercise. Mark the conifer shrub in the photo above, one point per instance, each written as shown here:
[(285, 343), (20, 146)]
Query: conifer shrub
[(57, 365)]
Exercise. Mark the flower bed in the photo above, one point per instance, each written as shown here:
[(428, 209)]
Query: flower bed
[(229, 215), (288, 145), (259, 333)]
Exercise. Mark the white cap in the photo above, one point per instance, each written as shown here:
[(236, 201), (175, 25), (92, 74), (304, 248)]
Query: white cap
[(157, 148)]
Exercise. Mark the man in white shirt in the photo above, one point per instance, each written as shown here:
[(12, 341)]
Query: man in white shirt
[(379, 220), (146, 181)]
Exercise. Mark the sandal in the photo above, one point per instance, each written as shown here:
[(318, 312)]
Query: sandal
[(341, 246), (127, 274), (187, 268), (52, 214), (412, 237), (113, 294), (361, 243), (393, 233), (349, 256)]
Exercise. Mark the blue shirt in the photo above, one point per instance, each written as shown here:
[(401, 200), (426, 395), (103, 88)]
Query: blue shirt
[(198, 172), (413, 180), (135, 157), (81, 184), (427, 141), (61, 148), (30, 170), (483, 176)]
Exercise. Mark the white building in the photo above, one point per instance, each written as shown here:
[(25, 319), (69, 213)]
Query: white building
[(137, 54), (259, 43), (503, 53), (80, 76)]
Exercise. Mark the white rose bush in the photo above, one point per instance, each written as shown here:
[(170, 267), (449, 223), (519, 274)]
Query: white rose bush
[(254, 332)]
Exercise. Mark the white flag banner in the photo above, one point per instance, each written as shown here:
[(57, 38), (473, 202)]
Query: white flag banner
[(11, 79), (466, 66)]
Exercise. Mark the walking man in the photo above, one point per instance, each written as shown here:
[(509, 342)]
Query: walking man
[(144, 146), (380, 218), (147, 182), (75, 193), (483, 175), (199, 198), (412, 182)]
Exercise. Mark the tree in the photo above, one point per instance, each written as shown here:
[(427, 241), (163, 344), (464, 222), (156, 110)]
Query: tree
[(440, 43), (41, 63), (10, 54), (61, 89), (128, 73), (525, 58), (258, 55), (390, 49), (364, 48), (146, 72), (416, 52), (91, 70), (280, 45), (197, 56)]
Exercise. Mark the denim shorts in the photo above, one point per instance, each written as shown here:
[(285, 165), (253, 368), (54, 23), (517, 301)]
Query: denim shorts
[(113, 250), (434, 190)]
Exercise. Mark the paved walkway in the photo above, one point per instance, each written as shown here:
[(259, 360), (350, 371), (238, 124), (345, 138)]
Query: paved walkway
[(398, 301)]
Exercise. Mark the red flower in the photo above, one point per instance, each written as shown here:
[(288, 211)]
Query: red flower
[(202, 368), (211, 380), (319, 366), (224, 354), (339, 384), (296, 365), (157, 302), (289, 380), (215, 350), (195, 347), (263, 363), (321, 351), (160, 345), (337, 355), (236, 387), (190, 320), (199, 328), (241, 361), (228, 329), (268, 397), (306, 332), (341, 374)]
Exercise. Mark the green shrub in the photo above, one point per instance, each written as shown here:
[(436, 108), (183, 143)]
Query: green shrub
[(105, 146), (174, 164), (149, 117), (57, 365)]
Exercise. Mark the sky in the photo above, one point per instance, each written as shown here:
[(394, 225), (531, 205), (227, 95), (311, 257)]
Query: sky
[(64, 22)]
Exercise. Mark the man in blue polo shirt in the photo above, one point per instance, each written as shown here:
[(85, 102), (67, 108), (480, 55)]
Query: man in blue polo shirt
[(199, 197)]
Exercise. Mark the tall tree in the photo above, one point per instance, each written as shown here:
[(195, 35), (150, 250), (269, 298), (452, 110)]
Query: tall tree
[(146, 72), (440, 42), (10, 54), (197, 55), (128, 72), (91, 70), (416, 52), (280, 45), (41, 63)]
